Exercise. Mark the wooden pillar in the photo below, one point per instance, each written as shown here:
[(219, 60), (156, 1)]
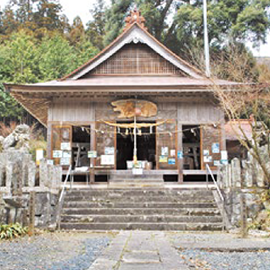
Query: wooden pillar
[(179, 146), (93, 147), (223, 136)]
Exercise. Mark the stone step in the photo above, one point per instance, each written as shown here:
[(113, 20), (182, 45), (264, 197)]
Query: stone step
[(147, 208), (129, 172), (139, 192), (129, 204), (208, 199), (132, 177), (143, 226), (136, 185), (139, 219), (142, 211), (138, 180)]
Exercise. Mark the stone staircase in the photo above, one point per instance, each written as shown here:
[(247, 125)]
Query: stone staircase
[(126, 179), (142, 209)]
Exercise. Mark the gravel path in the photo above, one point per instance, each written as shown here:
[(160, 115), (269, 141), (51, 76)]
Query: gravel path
[(221, 251), (55, 251), (199, 259)]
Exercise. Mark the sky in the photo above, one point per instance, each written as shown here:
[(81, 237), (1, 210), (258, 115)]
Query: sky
[(73, 8)]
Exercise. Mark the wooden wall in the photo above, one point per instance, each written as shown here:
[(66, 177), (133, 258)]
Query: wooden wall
[(197, 113), (71, 110), (186, 113)]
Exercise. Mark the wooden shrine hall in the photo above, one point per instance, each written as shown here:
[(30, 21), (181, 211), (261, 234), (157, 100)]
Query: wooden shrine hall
[(135, 107)]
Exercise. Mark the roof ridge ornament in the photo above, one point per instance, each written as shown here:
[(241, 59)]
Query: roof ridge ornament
[(135, 16)]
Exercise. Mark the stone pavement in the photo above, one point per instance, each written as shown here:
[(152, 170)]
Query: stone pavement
[(136, 250)]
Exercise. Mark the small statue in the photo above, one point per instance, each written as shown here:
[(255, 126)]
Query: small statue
[(18, 139)]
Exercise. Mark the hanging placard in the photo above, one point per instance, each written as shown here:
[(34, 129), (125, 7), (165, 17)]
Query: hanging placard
[(107, 159), (180, 155), (164, 151), (65, 146), (171, 161), (163, 159), (207, 159), (215, 148), (217, 162), (64, 161), (172, 152), (66, 154), (92, 154), (57, 153), (109, 150)]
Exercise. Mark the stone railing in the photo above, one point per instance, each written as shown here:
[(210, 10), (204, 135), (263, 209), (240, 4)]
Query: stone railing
[(19, 174), (243, 181), (20, 177)]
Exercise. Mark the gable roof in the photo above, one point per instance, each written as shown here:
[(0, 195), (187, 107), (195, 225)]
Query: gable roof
[(135, 34)]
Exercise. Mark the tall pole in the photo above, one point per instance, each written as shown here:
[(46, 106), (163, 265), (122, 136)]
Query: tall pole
[(135, 140), (206, 41)]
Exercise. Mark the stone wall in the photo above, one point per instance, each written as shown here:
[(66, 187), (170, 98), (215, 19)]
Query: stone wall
[(19, 176), (243, 179)]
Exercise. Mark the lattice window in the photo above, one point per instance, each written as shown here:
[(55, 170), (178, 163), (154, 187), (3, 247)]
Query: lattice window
[(136, 59)]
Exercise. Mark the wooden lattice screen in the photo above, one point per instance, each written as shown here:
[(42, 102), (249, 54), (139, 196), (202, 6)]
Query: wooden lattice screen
[(136, 59)]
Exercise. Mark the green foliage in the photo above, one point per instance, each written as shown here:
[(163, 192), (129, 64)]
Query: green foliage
[(115, 19), (19, 56), (26, 59), (179, 24), (11, 231), (38, 17), (234, 21), (9, 106), (56, 58), (96, 28), (84, 51)]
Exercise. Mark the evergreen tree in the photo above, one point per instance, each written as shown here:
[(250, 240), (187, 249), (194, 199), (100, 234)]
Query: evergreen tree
[(96, 28), (19, 59), (56, 58), (17, 64), (84, 51), (179, 24), (228, 22), (77, 32)]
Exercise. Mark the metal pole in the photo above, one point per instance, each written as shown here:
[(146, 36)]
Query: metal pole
[(206, 41), (135, 140), (207, 180)]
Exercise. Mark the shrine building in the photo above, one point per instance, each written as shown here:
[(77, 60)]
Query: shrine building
[(135, 107)]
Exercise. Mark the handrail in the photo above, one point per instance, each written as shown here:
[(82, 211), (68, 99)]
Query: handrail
[(61, 197), (214, 180), (208, 170), (65, 183)]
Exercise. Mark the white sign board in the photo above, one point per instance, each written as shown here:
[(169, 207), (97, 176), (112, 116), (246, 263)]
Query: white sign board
[(107, 159), (65, 146)]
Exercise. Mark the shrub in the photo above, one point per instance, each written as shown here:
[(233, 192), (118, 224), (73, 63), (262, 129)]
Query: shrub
[(10, 231)]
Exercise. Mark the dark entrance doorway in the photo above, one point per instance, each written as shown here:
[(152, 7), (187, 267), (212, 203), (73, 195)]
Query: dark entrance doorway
[(146, 146), (191, 145)]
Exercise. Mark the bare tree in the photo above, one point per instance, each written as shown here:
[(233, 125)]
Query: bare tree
[(247, 98)]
